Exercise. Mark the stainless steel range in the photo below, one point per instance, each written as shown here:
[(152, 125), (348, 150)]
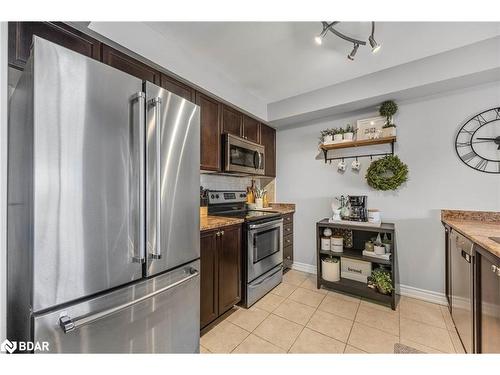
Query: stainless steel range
[(263, 245)]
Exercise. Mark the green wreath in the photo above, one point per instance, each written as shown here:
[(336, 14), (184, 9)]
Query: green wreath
[(387, 173)]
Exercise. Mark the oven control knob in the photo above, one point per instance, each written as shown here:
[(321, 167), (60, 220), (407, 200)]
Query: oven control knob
[(217, 196), (212, 196), (242, 195)]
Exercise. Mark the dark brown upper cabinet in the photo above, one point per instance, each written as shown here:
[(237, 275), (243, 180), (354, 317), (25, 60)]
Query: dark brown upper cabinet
[(268, 139), (210, 130), (232, 121), (251, 129), (21, 37), (177, 87), (127, 64)]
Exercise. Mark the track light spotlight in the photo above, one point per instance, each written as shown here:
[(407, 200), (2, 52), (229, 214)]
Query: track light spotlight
[(373, 43), (353, 52), (319, 38)]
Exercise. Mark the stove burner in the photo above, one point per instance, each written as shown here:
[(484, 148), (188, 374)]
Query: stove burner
[(232, 204)]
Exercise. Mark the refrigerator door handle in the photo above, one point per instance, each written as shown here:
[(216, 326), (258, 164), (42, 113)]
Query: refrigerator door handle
[(156, 103), (140, 249), (68, 324)]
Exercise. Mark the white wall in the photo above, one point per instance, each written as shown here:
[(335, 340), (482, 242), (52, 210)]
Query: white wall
[(438, 179), (3, 177), (458, 68)]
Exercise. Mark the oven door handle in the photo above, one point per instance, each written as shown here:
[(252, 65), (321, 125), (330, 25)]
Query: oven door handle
[(267, 277), (270, 224)]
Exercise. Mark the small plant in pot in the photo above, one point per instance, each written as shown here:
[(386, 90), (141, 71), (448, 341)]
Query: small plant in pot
[(348, 133), (338, 135), (381, 278), (388, 109), (325, 136)]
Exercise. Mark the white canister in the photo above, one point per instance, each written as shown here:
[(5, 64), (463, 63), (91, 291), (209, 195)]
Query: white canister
[(374, 216), (330, 270), (325, 243), (337, 137), (337, 244), (258, 202), (379, 250)]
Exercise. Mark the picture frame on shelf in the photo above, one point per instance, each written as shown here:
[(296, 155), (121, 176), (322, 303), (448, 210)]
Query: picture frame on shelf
[(370, 128)]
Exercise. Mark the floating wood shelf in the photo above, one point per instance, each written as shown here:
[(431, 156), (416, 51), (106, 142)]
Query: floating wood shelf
[(360, 143)]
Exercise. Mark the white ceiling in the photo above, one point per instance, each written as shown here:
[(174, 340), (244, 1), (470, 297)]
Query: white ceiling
[(276, 60)]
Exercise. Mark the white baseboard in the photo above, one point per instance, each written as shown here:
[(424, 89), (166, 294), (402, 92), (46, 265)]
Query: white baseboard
[(304, 267), (422, 294), (402, 290)]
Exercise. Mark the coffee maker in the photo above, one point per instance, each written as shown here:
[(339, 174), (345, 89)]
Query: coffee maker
[(358, 205)]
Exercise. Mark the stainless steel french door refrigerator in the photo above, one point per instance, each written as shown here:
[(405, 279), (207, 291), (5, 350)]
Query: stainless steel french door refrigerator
[(103, 218)]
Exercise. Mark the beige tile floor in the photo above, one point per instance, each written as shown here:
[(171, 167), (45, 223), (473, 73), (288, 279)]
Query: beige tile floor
[(298, 318)]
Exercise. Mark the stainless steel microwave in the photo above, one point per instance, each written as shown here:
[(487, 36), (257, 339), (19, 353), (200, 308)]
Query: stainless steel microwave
[(243, 156)]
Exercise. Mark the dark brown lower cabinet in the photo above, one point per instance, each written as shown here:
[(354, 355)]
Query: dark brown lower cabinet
[(209, 278), (487, 302), (287, 240), (220, 287)]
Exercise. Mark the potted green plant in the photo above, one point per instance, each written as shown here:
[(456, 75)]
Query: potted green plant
[(388, 109), (348, 133), (382, 279), (330, 268), (388, 130), (338, 135)]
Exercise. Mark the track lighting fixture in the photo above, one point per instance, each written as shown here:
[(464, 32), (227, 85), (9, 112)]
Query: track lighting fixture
[(353, 52), (329, 26)]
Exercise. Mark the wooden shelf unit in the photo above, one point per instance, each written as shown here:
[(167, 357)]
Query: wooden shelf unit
[(360, 143), (351, 286)]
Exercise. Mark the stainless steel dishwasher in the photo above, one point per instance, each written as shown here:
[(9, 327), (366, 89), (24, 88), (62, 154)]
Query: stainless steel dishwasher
[(462, 296)]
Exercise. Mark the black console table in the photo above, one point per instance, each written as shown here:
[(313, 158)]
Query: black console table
[(360, 234)]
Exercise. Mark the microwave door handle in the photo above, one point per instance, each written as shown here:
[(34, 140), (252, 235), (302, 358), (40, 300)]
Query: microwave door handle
[(156, 103), (256, 160)]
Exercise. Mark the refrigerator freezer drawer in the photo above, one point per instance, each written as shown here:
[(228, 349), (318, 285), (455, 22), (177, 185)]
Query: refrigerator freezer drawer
[(159, 315)]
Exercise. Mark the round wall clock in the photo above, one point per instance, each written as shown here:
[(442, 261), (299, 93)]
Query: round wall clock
[(478, 141)]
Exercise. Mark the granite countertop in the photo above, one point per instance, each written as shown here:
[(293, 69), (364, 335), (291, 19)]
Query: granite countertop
[(476, 226), (214, 222), (283, 208)]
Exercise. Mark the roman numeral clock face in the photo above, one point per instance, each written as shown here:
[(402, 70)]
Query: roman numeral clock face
[(478, 142)]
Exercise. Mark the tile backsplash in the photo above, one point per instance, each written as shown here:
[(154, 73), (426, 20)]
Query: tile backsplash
[(224, 182), (221, 182)]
